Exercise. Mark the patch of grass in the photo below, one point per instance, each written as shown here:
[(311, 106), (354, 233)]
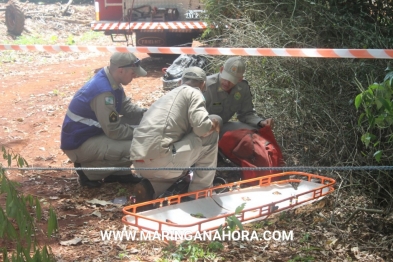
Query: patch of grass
[(215, 246), (123, 255), (89, 36), (28, 40), (121, 191), (70, 40), (262, 224), (306, 237), (53, 39), (191, 251), (8, 57), (34, 40)]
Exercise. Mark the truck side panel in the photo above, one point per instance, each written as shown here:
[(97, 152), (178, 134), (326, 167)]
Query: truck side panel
[(154, 22), (109, 10)]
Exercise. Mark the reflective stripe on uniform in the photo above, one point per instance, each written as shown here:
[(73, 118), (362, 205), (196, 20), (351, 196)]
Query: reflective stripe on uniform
[(86, 121)]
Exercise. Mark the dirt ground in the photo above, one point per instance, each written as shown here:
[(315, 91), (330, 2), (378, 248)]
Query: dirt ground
[(36, 88)]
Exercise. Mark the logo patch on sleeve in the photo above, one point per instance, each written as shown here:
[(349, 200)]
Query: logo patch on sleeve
[(109, 100), (113, 117), (237, 95)]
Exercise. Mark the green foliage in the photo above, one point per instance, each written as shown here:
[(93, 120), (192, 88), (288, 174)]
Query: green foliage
[(232, 222), (28, 40), (34, 40), (194, 251), (306, 239), (121, 191), (70, 40), (191, 251), (41, 2), (301, 23), (89, 36), (19, 216), (123, 255), (376, 105), (215, 246), (379, 12), (376, 11), (311, 99), (53, 39)]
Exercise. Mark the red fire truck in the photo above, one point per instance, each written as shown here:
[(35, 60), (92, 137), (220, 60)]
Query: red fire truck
[(153, 22)]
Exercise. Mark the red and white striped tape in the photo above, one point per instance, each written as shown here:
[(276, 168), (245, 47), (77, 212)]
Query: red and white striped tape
[(110, 26), (283, 52)]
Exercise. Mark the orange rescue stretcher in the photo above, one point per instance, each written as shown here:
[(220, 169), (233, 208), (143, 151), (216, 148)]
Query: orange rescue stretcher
[(263, 196)]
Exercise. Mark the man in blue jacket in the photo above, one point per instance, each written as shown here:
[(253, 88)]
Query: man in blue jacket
[(99, 124)]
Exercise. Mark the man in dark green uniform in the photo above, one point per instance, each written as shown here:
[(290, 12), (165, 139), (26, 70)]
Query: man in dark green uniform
[(227, 93)]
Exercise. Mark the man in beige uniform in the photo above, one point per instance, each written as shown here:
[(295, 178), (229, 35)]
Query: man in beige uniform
[(98, 127), (228, 94), (176, 131)]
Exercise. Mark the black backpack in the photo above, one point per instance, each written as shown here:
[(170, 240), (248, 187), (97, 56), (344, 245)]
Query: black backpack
[(175, 70)]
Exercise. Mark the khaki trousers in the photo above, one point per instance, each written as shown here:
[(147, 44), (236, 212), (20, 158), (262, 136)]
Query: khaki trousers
[(191, 150), (102, 151)]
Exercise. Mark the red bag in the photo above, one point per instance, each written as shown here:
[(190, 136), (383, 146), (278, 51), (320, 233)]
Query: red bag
[(252, 148)]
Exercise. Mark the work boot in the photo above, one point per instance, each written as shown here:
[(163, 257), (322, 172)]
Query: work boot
[(84, 181), (143, 191), (125, 179)]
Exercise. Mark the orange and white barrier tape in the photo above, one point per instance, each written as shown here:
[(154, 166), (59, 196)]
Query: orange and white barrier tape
[(105, 26), (282, 52)]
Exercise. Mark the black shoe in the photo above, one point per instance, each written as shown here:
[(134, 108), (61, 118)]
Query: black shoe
[(84, 181), (143, 191), (125, 179)]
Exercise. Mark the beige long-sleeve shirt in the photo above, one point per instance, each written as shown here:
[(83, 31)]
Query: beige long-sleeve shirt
[(168, 120)]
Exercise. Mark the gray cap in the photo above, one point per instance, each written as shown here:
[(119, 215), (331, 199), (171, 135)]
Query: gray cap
[(194, 72), (234, 69), (124, 60)]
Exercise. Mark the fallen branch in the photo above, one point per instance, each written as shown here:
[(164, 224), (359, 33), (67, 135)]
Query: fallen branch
[(364, 210), (38, 12), (75, 21), (66, 8)]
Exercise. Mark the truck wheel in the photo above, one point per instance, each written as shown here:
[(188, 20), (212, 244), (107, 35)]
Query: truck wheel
[(14, 19)]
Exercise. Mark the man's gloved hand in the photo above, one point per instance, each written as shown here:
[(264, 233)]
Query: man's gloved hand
[(216, 125), (266, 122)]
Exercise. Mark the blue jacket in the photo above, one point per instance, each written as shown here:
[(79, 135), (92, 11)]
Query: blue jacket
[(74, 134)]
